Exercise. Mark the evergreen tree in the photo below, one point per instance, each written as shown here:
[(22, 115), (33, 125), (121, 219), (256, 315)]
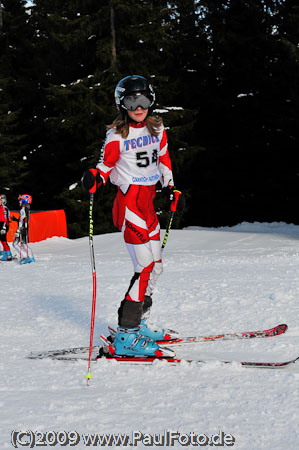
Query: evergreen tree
[(15, 95), (236, 112), (75, 103), (282, 115), (139, 35)]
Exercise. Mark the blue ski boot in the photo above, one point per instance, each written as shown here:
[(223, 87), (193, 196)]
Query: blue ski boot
[(5, 255), (154, 333), (129, 342), (27, 260), (157, 334)]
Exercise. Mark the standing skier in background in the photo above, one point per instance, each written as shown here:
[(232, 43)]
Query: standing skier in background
[(22, 234), (135, 157), (5, 255)]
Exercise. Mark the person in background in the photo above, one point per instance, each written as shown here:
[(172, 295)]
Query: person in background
[(135, 157), (22, 234), (5, 254)]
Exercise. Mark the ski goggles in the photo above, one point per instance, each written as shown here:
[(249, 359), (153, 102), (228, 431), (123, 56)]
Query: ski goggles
[(132, 102)]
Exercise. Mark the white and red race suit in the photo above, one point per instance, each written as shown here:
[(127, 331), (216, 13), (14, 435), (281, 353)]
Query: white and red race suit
[(4, 225), (21, 243), (135, 164)]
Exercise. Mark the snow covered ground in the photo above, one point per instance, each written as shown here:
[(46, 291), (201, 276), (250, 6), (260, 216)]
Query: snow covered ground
[(214, 280)]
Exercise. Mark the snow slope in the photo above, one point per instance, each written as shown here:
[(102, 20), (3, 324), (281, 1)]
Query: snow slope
[(214, 280)]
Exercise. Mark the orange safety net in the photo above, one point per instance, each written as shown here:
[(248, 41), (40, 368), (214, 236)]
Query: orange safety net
[(42, 225)]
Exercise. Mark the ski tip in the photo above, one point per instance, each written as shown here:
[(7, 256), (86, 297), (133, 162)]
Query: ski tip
[(283, 327)]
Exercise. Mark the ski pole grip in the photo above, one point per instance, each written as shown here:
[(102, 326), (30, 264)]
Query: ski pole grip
[(174, 203)]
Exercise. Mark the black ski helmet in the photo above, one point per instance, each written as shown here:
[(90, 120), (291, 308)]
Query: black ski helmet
[(131, 84)]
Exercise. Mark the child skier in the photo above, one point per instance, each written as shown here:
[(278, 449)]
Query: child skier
[(135, 157), (22, 234), (5, 255)]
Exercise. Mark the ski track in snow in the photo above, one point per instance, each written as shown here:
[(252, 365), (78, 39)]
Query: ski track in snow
[(215, 280)]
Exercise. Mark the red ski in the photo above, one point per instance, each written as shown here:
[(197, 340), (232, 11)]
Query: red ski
[(99, 353), (275, 331), (107, 352), (175, 361)]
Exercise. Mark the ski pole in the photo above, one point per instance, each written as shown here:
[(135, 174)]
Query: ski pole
[(94, 281), (27, 234), (27, 240), (173, 208)]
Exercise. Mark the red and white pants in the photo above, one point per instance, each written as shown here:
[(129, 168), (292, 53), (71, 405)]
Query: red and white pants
[(135, 216)]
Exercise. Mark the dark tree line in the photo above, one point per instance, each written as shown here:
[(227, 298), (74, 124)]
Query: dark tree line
[(226, 77)]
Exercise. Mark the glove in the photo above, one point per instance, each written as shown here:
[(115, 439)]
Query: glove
[(3, 231), (91, 180), (175, 198), (17, 234)]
